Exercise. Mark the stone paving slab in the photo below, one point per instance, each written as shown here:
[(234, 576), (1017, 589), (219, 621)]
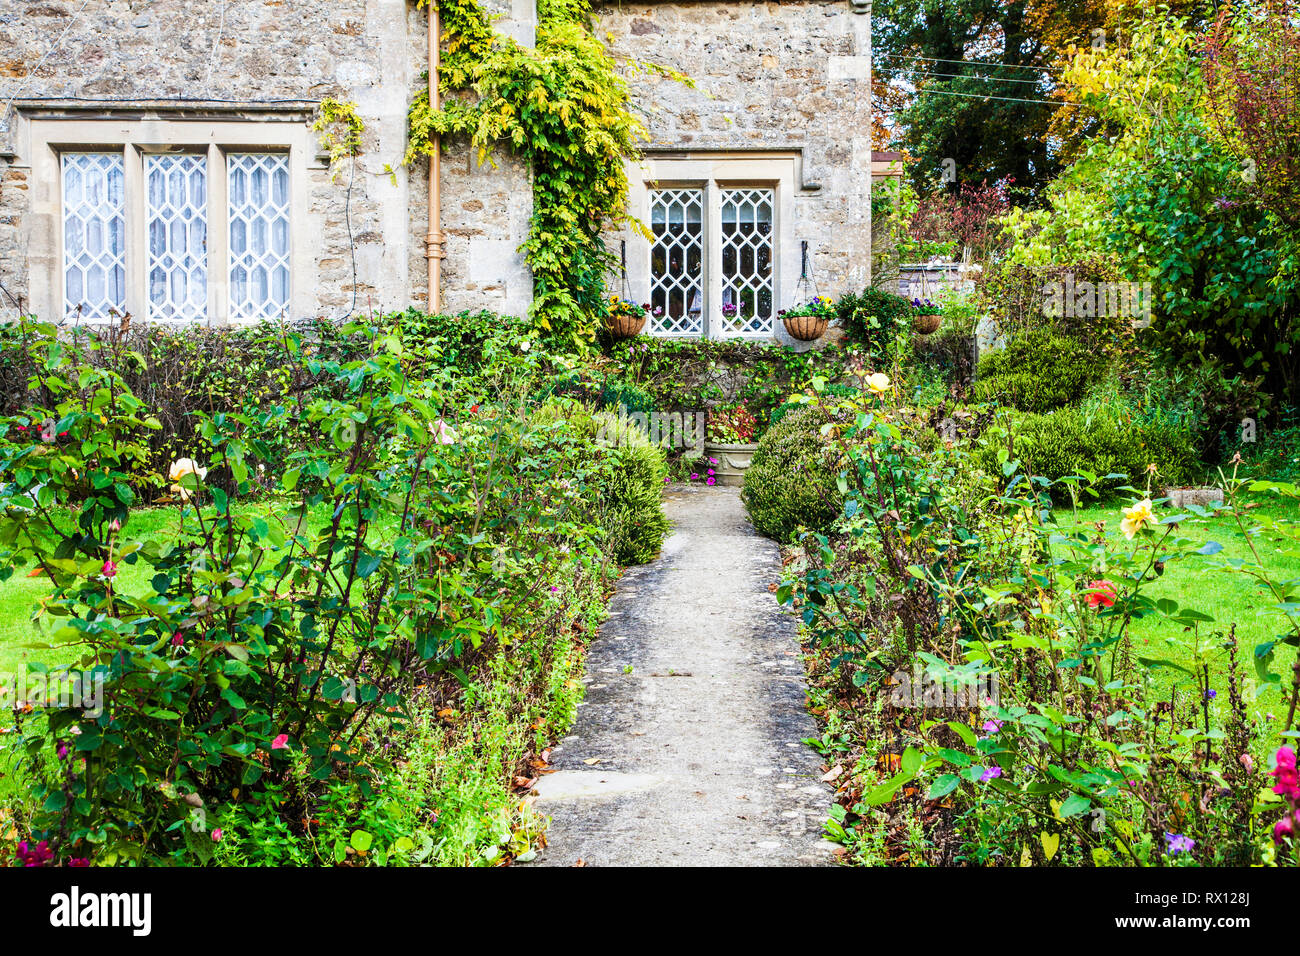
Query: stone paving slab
[(687, 749)]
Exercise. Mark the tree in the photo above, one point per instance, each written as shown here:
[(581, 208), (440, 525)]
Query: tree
[(986, 76), (984, 88), (1252, 77)]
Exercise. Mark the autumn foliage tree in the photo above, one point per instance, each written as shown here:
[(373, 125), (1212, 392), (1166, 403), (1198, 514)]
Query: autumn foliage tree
[(1251, 67)]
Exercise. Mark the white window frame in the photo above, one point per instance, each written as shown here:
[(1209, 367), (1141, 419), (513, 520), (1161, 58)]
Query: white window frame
[(714, 173), (136, 138)]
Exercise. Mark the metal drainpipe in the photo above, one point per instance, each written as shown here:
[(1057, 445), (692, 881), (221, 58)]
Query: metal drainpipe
[(433, 241)]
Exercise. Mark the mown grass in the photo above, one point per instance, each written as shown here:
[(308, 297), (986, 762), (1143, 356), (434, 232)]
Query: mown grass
[(25, 629), (1199, 582)]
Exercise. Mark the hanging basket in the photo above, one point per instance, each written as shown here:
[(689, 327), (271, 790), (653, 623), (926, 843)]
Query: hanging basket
[(925, 324), (624, 326), (806, 328)]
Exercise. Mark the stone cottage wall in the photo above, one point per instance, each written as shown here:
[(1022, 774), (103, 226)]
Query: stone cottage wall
[(236, 54), (783, 76), (768, 76)]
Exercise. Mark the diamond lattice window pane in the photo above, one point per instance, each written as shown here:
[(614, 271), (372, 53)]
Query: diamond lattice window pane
[(747, 261), (677, 262), (259, 235), (176, 223), (94, 235)]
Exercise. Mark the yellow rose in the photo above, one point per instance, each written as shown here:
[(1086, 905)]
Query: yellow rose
[(179, 469), (878, 383), (1136, 518)]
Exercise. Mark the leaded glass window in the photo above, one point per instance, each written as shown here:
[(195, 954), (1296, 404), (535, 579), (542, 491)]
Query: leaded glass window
[(259, 235), (176, 217), (677, 262), (747, 261), (94, 235)]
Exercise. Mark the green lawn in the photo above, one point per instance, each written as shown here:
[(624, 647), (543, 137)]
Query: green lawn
[(1226, 596), (25, 635), (24, 639)]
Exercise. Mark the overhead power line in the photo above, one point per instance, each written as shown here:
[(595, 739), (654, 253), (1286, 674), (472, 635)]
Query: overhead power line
[(976, 76), (989, 63), (987, 96)]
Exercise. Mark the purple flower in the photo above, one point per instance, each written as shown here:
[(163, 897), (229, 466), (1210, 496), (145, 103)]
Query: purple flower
[(1211, 694), (38, 855), (989, 773), (1283, 829), (991, 726), (1179, 843)]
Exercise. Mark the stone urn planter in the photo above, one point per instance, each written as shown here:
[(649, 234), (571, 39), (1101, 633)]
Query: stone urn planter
[(733, 461), (1202, 497), (806, 328), (927, 324)]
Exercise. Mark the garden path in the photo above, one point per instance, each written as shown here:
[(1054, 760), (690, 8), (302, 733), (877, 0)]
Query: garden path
[(687, 749)]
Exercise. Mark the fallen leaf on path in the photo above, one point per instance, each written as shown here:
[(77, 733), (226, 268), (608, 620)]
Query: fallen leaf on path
[(592, 761), (833, 773)]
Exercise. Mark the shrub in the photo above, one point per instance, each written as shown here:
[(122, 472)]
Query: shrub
[(699, 374), (986, 658), (632, 493), (1038, 371), (832, 390), (247, 646), (619, 394), (468, 342), (1276, 453), (1069, 441), (790, 483)]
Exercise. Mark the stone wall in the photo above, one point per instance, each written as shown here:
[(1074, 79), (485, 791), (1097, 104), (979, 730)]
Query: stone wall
[(776, 76), (238, 56), (768, 76)]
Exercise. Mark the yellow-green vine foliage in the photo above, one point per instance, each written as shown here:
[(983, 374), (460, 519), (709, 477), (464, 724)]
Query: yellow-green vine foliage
[(340, 130), (563, 108)]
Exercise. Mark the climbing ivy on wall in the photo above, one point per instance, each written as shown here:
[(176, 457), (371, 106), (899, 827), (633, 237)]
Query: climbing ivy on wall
[(340, 129), (563, 108)]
